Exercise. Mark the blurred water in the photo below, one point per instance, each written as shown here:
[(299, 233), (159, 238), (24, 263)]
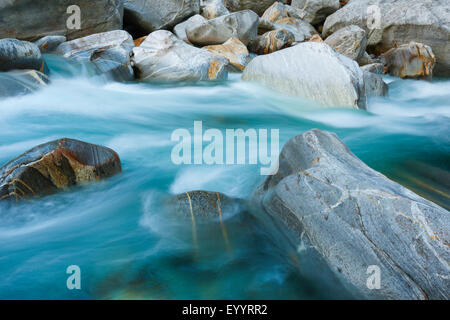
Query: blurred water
[(125, 243)]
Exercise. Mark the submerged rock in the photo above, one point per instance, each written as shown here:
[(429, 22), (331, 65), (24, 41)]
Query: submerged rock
[(109, 52), (55, 166), (16, 54), (149, 16), (19, 82), (164, 57), (233, 50), (272, 41), (211, 9), (400, 22), (413, 60), (180, 29), (48, 44), (29, 20), (311, 70), (202, 204), (355, 217), (242, 25), (351, 41), (315, 11)]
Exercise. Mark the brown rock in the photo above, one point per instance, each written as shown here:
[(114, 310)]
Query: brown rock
[(272, 41), (55, 166), (138, 41), (235, 51)]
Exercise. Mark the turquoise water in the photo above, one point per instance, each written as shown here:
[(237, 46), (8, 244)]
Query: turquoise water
[(125, 243)]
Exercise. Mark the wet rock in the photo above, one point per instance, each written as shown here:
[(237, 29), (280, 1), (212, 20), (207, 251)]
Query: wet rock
[(374, 85), (48, 44), (149, 16), (400, 22), (56, 166), (233, 50), (313, 71), (374, 68), (164, 57), (20, 82), (16, 54), (27, 20), (355, 217), (242, 25), (315, 11), (280, 16), (413, 60), (180, 29), (272, 41), (257, 6), (211, 9), (202, 204), (108, 51), (351, 41)]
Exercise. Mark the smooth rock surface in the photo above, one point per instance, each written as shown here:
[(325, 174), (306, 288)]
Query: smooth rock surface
[(315, 11), (27, 20), (16, 54), (272, 41), (233, 50), (355, 217), (55, 166), (401, 21), (180, 29), (164, 57), (20, 82), (374, 85), (374, 67), (351, 41), (313, 71), (149, 16), (242, 25), (211, 9), (48, 44), (413, 60), (108, 51)]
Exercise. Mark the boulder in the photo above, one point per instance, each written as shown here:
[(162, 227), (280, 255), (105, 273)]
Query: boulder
[(258, 6), (242, 25), (16, 54), (365, 59), (180, 29), (280, 16), (233, 50), (29, 20), (315, 11), (148, 16), (401, 22), (164, 57), (358, 220), (211, 9), (202, 204), (413, 60), (351, 41), (48, 44), (19, 82), (312, 70), (272, 41), (108, 51), (374, 85), (55, 166), (374, 68)]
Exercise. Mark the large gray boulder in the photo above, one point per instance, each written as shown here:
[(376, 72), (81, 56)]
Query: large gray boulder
[(356, 218), (16, 54), (56, 166), (258, 6), (164, 57), (180, 29), (312, 70), (29, 20), (351, 41), (400, 21), (149, 16), (108, 51), (242, 25), (315, 11), (20, 82)]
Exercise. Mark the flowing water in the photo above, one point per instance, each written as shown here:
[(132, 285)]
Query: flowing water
[(128, 246)]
